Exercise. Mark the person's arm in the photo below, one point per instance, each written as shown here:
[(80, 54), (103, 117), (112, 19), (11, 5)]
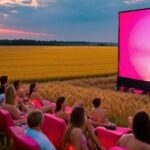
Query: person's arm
[(96, 124), (15, 113), (17, 117), (91, 132)]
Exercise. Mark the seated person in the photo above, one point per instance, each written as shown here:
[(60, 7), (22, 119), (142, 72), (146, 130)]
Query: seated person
[(4, 84), (23, 102), (35, 95), (98, 115), (60, 112), (35, 121), (10, 105), (82, 126), (140, 138), (74, 138)]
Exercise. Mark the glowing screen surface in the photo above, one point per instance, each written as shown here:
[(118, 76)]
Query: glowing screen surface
[(134, 44)]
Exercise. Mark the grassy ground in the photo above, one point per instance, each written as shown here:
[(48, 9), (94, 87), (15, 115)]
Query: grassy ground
[(31, 62)]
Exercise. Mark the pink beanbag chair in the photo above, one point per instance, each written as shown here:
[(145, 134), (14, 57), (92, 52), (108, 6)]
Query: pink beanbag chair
[(21, 141), (109, 138), (6, 121), (54, 129), (117, 148)]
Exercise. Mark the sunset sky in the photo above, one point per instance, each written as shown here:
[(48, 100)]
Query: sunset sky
[(67, 20)]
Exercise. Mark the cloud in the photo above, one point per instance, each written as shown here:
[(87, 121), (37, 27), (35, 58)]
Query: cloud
[(4, 15), (27, 3), (132, 1), (14, 11), (10, 31)]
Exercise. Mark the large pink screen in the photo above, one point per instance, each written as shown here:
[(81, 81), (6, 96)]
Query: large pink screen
[(134, 41)]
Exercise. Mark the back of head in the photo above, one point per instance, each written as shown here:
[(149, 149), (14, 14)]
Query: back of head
[(35, 118), (16, 84), (31, 89), (77, 117), (10, 95), (141, 127), (59, 102), (96, 102), (76, 120), (4, 79)]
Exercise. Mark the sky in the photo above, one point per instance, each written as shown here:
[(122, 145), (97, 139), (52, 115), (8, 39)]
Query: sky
[(64, 20)]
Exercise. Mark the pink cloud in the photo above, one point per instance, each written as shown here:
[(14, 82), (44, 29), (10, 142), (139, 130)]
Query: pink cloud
[(10, 31), (4, 15)]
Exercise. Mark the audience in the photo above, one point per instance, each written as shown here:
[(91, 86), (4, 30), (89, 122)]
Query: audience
[(35, 121), (80, 134), (140, 138)]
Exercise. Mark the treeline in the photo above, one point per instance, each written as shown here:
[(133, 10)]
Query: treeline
[(22, 42)]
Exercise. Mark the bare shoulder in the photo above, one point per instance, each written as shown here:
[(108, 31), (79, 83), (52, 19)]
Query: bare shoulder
[(147, 147), (124, 139), (76, 131), (126, 136)]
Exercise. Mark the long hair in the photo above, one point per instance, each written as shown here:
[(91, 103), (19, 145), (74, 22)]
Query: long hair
[(59, 102), (16, 84), (32, 86), (77, 120), (10, 95), (141, 127), (3, 79)]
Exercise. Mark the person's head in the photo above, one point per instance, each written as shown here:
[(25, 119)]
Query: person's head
[(17, 84), (77, 117), (33, 87), (60, 104), (4, 80), (96, 102), (76, 120), (141, 127), (10, 95), (35, 119)]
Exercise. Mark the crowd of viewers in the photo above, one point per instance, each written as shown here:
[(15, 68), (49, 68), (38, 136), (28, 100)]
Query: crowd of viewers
[(80, 134)]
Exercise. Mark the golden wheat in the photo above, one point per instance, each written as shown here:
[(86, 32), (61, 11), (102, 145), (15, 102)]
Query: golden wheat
[(119, 105), (49, 62)]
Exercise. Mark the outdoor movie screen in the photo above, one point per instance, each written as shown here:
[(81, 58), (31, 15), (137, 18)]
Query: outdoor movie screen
[(134, 45)]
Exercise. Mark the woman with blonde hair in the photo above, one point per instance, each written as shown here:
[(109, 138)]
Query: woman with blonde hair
[(10, 105)]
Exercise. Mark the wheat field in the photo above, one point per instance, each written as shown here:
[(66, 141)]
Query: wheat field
[(119, 105), (36, 63), (56, 62)]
